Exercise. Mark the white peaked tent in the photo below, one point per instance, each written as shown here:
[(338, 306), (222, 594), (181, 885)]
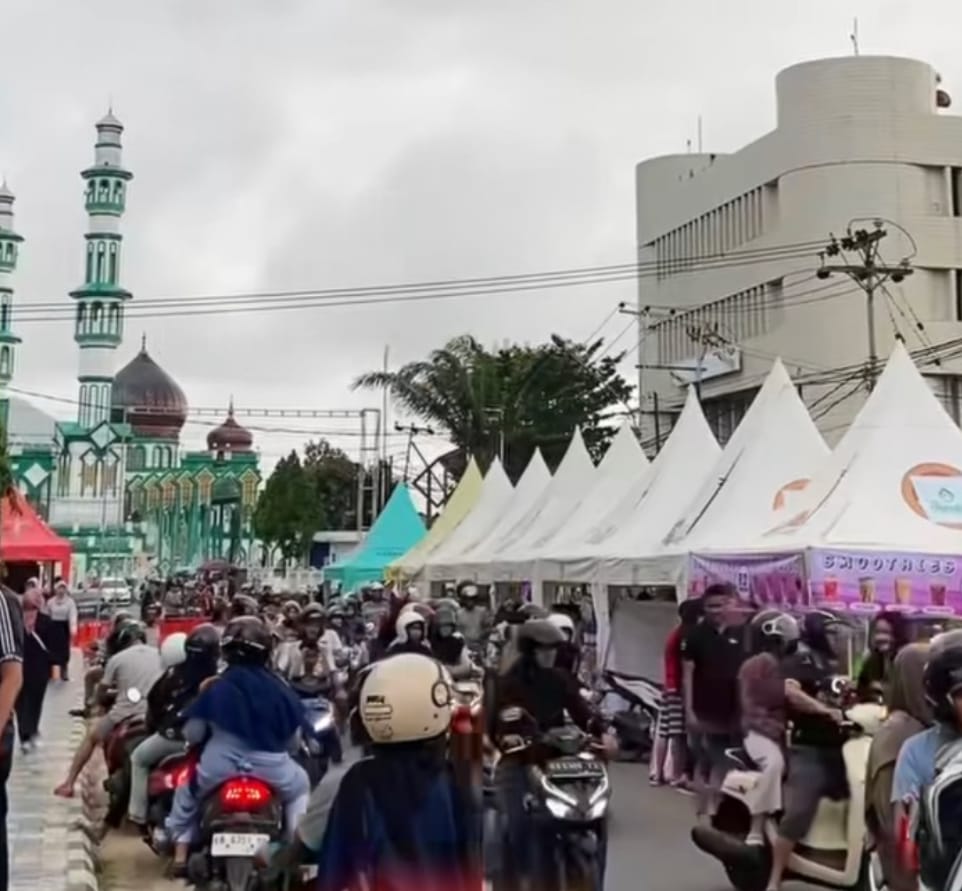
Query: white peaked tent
[(465, 564), (622, 467), (894, 481), (495, 495), (613, 550), (571, 481), (771, 456)]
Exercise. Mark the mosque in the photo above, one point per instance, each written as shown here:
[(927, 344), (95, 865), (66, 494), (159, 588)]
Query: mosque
[(115, 482)]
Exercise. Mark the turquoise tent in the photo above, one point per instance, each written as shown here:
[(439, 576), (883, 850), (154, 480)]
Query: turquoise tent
[(397, 529)]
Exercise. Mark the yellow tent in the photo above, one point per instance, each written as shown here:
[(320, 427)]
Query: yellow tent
[(459, 505)]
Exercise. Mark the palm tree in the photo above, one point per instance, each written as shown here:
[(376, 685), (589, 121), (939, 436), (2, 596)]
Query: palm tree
[(459, 388)]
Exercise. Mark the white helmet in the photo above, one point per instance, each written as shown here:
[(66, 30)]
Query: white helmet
[(563, 622), (405, 698), (405, 619), (173, 650)]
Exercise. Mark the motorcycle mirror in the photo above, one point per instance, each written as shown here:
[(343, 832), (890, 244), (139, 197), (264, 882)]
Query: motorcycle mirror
[(134, 695)]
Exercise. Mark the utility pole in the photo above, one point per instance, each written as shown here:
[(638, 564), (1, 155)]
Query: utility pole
[(707, 337), (867, 269)]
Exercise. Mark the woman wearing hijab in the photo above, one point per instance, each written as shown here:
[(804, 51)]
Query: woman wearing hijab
[(36, 669), (887, 635), (62, 610), (909, 713)]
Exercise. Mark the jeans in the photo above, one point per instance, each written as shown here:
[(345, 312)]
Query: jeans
[(147, 755)]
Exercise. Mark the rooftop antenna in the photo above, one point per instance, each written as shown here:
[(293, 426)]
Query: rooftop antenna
[(854, 36), (699, 134), (688, 145)]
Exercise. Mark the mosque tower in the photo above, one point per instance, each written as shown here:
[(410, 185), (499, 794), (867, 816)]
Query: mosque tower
[(9, 248), (99, 316)]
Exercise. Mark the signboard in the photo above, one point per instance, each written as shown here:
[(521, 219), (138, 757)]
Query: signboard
[(868, 582), (716, 362), (765, 580)]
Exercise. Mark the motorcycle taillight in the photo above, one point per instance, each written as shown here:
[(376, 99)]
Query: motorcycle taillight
[(244, 794), (461, 721)]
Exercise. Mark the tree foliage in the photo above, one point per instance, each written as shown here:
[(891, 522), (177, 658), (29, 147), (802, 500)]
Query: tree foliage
[(532, 397), (303, 497)]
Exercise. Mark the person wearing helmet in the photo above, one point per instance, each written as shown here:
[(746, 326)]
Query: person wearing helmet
[(448, 645), (569, 654), (243, 605), (531, 697), (151, 620), (399, 817), (761, 689), (815, 766), (248, 716), (134, 666), (189, 660), (411, 634), (290, 620), (474, 620), (916, 765)]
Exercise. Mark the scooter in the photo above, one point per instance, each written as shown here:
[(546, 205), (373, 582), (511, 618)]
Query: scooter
[(634, 726), (836, 851), (568, 800), (118, 746), (323, 744)]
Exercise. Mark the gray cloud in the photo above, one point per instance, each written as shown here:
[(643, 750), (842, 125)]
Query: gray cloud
[(299, 144)]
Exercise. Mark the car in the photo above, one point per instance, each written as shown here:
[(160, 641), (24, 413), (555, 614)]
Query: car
[(116, 591)]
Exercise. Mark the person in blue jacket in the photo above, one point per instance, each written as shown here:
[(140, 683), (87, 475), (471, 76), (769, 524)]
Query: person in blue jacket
[(400, 820)]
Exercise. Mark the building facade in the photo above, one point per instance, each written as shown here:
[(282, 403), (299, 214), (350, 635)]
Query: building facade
[(728, 246), (115, 481)]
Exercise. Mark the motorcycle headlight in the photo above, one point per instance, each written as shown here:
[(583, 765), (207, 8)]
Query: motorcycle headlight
[(324, 723), (598, 809), (558, 809)]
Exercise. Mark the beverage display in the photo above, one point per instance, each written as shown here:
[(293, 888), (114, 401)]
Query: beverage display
[(866, 589), (830, 589), (937, 593), (903, 591)]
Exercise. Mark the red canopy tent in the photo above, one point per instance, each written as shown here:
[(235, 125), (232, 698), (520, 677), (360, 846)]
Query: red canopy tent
[(25, 538)]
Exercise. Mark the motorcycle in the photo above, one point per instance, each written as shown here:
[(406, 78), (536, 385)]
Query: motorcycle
[(569, 793), (323, 744), (636, 725), (117, 748), (836, 851), (165, 779), (239, 819)]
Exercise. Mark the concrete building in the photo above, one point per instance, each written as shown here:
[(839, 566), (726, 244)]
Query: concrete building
[(728, 246)]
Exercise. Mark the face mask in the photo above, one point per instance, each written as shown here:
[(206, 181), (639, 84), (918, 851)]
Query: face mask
[(545, 656), (415, 633)]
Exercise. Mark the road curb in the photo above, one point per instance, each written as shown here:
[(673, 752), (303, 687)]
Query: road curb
[(83, 835)]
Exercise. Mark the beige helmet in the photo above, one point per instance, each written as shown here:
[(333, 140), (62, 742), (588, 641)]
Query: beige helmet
[(406, 698)]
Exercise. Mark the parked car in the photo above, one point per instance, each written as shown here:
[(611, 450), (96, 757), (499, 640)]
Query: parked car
[(116, 591)]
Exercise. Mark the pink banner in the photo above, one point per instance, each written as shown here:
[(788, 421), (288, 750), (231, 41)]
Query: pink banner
[(868, 582), (768, 580)]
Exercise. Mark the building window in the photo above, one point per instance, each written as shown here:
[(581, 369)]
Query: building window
[(136, 458), (5, 361), (113, 263), (725, 412), (113, 325)]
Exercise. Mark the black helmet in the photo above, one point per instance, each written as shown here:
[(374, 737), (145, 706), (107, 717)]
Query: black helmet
[(247, 640), (815, 629), (538, 633), (120, 618), (128, 634), (203, 642), (531, 612), (774, 631), (943, 675), (243, 605)]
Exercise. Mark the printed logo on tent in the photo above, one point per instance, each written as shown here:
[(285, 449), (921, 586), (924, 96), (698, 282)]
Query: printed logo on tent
[(934, 492), (783, 495)]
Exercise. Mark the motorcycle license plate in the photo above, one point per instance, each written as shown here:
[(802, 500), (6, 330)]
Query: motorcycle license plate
[(237, 844), (574, 769)]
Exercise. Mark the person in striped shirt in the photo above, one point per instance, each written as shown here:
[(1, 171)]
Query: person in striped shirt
[(11, 680)]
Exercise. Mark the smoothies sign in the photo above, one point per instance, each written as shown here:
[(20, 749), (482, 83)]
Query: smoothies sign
[(866, 581), (777, 580)]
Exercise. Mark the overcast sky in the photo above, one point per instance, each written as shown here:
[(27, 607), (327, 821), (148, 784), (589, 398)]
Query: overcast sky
[(333, 143)]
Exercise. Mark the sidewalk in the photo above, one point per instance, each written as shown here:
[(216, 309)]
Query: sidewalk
[(47, 849)]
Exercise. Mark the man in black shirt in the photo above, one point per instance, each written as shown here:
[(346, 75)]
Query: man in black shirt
[(713, 651), (11, 680)]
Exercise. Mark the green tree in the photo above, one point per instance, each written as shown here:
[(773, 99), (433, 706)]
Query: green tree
[(288, 512), (524, 397), (332, 476)]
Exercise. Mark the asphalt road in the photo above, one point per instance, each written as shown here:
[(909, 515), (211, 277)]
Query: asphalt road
[(649, 848)]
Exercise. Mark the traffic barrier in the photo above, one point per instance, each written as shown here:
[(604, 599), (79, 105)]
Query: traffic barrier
[(92, 631)]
